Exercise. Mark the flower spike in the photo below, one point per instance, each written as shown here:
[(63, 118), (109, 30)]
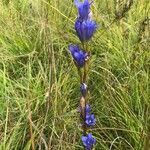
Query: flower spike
[(85, 28)]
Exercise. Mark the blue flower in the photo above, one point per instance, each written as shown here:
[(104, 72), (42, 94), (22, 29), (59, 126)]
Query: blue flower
[(88, 141), (85, 29), (79, 56), (83, 89), (83, 9), (90, 119)]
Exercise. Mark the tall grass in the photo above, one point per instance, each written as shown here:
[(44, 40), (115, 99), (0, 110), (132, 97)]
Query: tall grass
[(38, 81)]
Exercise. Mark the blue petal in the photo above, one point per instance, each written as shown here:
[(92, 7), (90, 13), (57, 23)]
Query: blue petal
[(85, 29), (76, 2), (78, 55), (90, 136), (94, 140), (88, 141), (84, 139), (88, 108), (90, 119), (73, 48), (92, 116), (83, 9)]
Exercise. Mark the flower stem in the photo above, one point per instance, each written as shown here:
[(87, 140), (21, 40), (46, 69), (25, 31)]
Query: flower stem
[(83, 100)]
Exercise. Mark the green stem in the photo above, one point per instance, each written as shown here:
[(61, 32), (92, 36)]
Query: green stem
[(85, 81), (83, 100), (80, 74)]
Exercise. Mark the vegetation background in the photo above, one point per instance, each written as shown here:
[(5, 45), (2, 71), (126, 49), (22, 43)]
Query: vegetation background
[(39, 92)]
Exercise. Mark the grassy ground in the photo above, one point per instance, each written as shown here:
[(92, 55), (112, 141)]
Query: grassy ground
[(39, 91)]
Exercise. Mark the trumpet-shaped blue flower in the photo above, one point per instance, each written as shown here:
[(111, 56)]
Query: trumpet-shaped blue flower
[(85, 29), (83, 9), (88, 141), (83, 89), (79, 56), (90, 119)]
